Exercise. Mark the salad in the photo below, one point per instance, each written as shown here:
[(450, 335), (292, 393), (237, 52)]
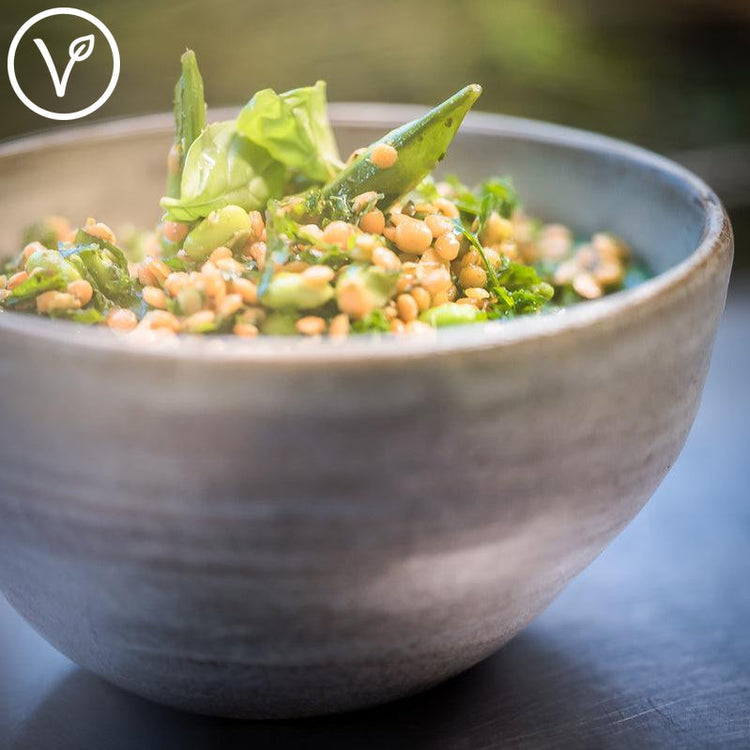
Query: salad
[(266, 230)]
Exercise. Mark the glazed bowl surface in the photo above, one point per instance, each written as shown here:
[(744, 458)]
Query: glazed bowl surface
[(286, 527)]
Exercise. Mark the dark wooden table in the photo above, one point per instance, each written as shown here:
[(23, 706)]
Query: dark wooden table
[(648, 648)]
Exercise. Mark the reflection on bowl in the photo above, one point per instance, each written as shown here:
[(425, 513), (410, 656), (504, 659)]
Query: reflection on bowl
[(272, 530)]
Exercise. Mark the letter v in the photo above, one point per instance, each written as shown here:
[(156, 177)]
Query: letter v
[(60, 84)]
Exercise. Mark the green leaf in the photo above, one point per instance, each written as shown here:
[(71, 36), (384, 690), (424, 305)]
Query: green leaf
[(105, 267), (84, 238), (374, 322), (294, 128), (40, 231), (88, 316), (493, 282), (517, 276), (496, 196), (465, 199), (32, 287), (176, 264), (224, 168), (427, 190), (517, 288)]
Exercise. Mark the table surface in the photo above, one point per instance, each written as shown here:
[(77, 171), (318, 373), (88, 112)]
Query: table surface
[(649, 647)]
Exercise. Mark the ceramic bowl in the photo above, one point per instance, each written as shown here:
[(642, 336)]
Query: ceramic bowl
[(283, 528)]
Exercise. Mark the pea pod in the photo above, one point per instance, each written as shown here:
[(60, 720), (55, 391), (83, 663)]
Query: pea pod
[(227, 226), (420, 145)]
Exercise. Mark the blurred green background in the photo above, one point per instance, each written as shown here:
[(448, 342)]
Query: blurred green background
[(673, 75)]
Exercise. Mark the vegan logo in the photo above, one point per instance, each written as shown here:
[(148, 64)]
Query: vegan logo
[(80, 49)]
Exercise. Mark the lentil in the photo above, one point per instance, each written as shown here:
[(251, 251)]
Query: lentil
[(311, 325), (372, 222), (472, 276), (448, 246), (81, 290), (385, 258), (154, 297), (383, 156), (122, 320), (412, 236), (339, 326)]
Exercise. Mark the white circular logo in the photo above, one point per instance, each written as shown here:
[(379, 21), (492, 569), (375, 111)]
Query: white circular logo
[(80, 49)]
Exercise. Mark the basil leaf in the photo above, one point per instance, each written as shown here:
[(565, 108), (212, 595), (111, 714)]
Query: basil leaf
[(224, 168), (294, 128)]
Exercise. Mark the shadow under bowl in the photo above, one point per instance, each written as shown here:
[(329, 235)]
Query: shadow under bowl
[(284, 528)]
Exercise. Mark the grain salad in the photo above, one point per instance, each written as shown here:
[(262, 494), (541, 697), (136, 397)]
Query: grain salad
[(266, 231)]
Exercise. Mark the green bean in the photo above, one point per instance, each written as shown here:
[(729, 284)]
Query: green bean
[(228, 226), (452, 314)]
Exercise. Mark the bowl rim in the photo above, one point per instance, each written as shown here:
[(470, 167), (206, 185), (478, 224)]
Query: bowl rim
[(592, 315)]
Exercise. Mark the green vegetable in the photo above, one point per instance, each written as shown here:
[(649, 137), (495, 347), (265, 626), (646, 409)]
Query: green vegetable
[(524, 301), (104, 266), (294, 128), (52, 262), (289, 291), (276, 139), (206, 327), (224, 168), (517, 288), (84, 238), (28, 290), (176, 264), (452, 314), (495, 195), (527, 292), (374, 322), (492, 283), (420, 144), (229, 226), (189, 118), (88, 316), (41, 231), (279, 324)]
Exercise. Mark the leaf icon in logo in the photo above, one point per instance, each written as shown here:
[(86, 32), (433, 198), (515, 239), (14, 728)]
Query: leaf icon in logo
[(79, 49)]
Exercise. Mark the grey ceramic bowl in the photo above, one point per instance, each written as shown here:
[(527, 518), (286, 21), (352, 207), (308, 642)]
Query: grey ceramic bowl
[(287, 528)]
